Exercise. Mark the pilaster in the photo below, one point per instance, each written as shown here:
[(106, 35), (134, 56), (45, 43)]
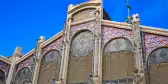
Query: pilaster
[(38, 52), (97, 76), (139, 74), (67, 48), (17, 54)]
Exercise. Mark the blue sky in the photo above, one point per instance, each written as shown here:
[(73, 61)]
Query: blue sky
[(23, 21)]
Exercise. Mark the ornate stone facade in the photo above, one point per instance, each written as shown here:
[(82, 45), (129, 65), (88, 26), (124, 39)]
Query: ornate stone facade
[(92, 51)]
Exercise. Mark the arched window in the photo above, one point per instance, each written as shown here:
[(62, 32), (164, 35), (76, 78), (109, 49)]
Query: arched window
[(23, 76), (49, 68), (2, 77), (80, 60), (118, 61), (158, 66)]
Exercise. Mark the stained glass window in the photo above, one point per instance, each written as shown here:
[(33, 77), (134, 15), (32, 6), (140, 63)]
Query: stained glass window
[(24, 76), (118, 61), (50, 67), (80, 60), (82, 44), (118, 45), (158, 66), (160, 55), (51, 56), (2, 77)]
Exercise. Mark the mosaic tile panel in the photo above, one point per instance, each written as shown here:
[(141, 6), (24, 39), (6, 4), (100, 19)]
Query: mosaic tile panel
[(110, 32), (90, 26), (153, 41), (54, 45), (4, 66), (25, 63)]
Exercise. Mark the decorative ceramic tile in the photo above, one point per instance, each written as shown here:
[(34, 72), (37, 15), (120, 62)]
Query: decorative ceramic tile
[(90, 26), (54, 45), (25, 63), (4, 66), (110, 32), (153, 41)]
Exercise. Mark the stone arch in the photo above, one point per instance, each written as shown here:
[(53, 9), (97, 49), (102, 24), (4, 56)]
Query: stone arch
[(118, 61), (76, 33), (81, 55), (117, 38), (2, 77), (83, 13), (23, 76), (157, 66), (49, 67)]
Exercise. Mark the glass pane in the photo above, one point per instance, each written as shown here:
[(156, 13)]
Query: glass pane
[(118, 45), (51, 56), (160, 55), (2, 77), (24, 76), (82, 44)]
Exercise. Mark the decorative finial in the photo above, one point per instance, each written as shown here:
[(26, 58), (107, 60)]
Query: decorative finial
[(41, 39), (129, 18), (136, 18), (18, 51)]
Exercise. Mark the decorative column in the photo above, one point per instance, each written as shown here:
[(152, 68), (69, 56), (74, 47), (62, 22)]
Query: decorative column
[(38, 52), (67, 47), (138, 75), (97, 74), (17, 54), (60, 80)]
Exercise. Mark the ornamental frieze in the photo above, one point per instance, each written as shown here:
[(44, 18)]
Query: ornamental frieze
[(89, 26), (152, 41), (110, 32), (57, 44)]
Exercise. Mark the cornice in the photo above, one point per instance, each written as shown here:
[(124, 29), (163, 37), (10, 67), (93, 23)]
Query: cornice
[(121, 25), (24, 57), (5, 60), (55, 37), (147, 29), (83, 21), (29, 54), (89, 4)]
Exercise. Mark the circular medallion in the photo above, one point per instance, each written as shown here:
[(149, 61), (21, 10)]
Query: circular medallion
[(82, 44)]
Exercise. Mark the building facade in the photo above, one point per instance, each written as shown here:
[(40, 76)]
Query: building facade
[(92, 49)]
